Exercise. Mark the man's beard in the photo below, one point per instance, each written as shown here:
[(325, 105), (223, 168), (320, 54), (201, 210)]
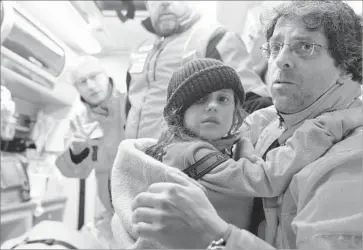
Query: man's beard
[(167, 27)]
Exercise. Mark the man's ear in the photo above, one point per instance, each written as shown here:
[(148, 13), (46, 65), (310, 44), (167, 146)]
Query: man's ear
[(344, 76)]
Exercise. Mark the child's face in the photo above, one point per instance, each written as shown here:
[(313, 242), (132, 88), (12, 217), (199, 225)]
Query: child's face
[(211, 117)]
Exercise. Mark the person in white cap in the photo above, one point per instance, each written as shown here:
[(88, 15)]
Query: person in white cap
[(97, 132)]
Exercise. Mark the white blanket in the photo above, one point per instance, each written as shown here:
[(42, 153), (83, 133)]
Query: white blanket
[(133, 172)]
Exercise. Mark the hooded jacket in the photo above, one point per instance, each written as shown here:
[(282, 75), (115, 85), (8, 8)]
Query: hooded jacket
[(154, 61), (322, 205)]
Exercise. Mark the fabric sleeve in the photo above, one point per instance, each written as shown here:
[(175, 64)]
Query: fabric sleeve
[(251, 176), (242, 239), (75, 166), (329, 203)]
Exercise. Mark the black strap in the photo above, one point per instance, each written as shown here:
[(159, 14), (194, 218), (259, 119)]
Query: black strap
[(205, 165), (49, 242), (258, 213), (211, 51)]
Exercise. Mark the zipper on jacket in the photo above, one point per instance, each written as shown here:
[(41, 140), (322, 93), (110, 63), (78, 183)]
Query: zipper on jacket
[(157, 55), (281, 119)]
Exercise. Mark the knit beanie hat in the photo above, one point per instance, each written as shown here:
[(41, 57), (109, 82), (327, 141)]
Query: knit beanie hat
[(195, 80)]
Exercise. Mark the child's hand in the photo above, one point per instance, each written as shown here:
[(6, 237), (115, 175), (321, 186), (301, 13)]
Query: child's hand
[(246, 148), (341, 121)]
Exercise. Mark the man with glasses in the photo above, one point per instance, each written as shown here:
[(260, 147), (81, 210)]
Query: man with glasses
[(314, 53), (97, 133)]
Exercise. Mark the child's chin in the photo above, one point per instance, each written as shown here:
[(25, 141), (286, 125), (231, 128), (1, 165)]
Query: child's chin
[(209, 137)]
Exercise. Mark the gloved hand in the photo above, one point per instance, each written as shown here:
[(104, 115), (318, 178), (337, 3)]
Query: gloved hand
[(255, 102)]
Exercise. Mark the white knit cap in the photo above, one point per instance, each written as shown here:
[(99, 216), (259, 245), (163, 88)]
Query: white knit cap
[(85, 65)]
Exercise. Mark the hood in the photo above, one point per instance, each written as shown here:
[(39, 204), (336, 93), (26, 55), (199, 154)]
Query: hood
[(339, 96), (186, 22)]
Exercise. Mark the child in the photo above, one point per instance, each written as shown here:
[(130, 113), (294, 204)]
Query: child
[(204, 114)]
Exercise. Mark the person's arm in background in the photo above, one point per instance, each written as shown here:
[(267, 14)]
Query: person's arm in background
[(229, 48), (76, 161)]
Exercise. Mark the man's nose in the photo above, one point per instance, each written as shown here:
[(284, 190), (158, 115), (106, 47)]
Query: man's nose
[(284, 59), (165, 4), (90, 83)]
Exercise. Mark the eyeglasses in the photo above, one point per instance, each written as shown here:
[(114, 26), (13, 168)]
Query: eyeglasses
[(301, 48)]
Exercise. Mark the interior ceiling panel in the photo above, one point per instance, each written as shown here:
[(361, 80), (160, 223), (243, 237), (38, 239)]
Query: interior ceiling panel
[(122, 36), (114, 34), (102, 21)]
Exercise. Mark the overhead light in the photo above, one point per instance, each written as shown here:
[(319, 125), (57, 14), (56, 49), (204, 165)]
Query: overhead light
[(71, 24)]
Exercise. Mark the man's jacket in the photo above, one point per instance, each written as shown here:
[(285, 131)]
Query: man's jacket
[(155, 60), (322, 206), (101, 152)]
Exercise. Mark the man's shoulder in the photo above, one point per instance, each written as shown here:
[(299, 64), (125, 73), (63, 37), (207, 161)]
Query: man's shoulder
[(339, 162), (352, 142)]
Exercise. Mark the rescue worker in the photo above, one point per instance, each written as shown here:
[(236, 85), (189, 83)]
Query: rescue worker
[(180, 34), (98, 132)]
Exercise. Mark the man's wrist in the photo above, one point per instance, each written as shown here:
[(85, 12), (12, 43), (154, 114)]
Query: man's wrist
[(218, 230), (220, 242)]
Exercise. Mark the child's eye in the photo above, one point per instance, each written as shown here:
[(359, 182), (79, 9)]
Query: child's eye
[(201, 100), (223, 99)]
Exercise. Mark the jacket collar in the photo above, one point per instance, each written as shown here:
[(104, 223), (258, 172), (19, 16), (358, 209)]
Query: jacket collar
[(340, 96)]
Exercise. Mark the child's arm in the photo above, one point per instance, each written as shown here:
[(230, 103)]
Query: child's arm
[(251, 176)]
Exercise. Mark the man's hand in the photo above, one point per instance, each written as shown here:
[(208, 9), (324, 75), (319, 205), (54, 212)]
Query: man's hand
[(177, 214)]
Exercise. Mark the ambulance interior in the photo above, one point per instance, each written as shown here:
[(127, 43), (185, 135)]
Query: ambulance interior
[(39, 42)]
